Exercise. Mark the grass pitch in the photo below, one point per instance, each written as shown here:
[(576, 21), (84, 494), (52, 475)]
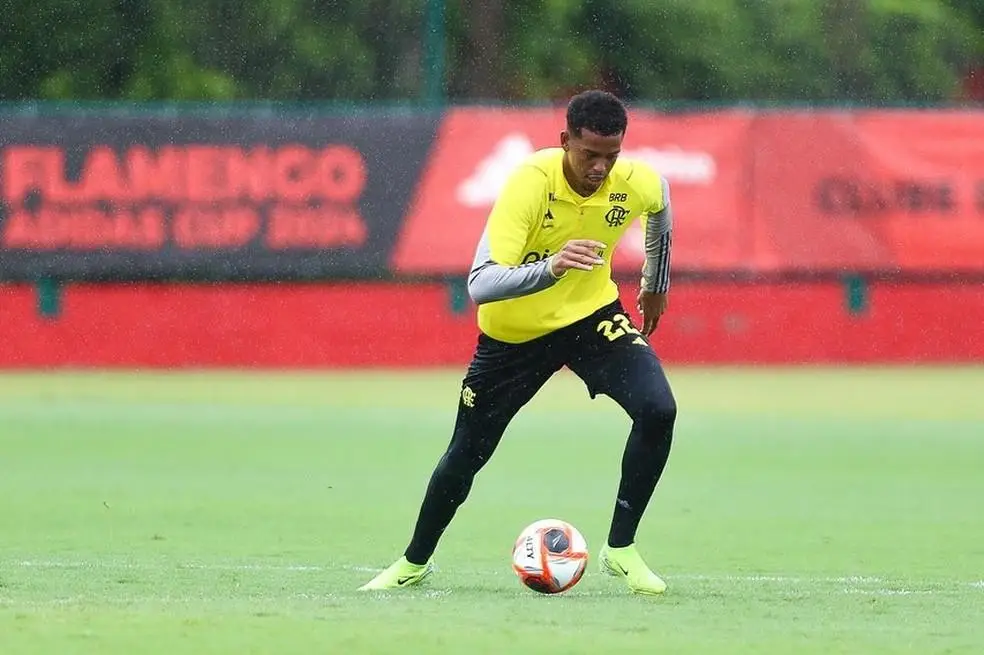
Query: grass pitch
[(803, 510)]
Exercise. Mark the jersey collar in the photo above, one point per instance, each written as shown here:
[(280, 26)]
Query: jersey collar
[(563, 190)]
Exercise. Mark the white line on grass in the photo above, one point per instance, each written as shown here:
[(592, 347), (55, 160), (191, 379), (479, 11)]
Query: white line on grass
[(857, 584), (780, 579), (891, 592), (49, 564)]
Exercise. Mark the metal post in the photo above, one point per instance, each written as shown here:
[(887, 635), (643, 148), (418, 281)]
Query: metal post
[(49, 297), (856, 294), (434, 36)]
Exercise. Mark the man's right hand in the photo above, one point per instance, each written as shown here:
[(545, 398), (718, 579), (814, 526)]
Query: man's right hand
[(581, 254)]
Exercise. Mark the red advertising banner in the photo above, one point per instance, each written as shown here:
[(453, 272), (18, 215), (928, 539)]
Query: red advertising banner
[(832, 191), (217, 197), (195, 196), (877, 191), (704, 156)]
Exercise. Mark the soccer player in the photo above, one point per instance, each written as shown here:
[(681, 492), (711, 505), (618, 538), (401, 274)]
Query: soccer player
[(543, 284)]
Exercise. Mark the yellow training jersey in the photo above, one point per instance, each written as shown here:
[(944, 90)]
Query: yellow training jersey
[(535, 215)]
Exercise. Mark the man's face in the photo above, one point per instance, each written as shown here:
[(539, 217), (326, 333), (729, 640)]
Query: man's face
[(590, 157)]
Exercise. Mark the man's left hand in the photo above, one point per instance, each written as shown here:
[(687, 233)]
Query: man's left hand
[(651, 306)]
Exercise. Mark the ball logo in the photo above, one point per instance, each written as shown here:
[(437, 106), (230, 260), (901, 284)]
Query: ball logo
[(530, 549)]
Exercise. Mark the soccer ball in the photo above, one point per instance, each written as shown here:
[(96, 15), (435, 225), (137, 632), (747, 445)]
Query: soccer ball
[(550, 556)]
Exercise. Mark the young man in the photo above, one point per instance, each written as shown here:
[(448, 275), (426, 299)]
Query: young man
[(546, 299)]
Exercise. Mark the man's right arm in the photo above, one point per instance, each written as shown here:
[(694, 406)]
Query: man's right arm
[(498, 272), (489, 281)]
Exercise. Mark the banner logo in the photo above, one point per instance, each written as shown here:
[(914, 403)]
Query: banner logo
[(215, 197)]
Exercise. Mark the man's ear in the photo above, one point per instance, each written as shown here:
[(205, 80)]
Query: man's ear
[(565, 139)]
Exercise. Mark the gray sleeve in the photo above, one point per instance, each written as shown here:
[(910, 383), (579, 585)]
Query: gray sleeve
[(489, 281), (659, 239)]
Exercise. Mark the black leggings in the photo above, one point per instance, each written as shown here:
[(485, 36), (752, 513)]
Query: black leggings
[(503, 377)]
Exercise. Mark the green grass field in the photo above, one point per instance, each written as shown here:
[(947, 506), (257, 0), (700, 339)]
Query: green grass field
[(803, 511)]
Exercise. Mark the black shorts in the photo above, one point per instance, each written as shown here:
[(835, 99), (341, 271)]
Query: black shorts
[(605, 350)]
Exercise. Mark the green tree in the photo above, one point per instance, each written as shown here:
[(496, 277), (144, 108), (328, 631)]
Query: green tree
[(871, 51)]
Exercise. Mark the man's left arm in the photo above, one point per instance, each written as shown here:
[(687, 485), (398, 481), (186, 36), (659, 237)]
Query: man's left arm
[(656, 272)]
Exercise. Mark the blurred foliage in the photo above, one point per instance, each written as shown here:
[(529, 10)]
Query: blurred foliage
[(869, 51)]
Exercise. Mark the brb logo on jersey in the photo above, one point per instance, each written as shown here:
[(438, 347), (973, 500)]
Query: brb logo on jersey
[(616, 216)]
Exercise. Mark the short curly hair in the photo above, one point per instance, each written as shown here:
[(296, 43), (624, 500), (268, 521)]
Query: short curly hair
[(598, 111)]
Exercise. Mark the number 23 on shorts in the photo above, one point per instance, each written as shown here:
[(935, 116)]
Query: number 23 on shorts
[(619, 326)]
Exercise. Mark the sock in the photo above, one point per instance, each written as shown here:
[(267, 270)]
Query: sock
[(643, 461)]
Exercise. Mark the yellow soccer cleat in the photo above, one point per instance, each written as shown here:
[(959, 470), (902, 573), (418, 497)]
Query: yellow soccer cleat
[(627, 563), (399, 575)]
